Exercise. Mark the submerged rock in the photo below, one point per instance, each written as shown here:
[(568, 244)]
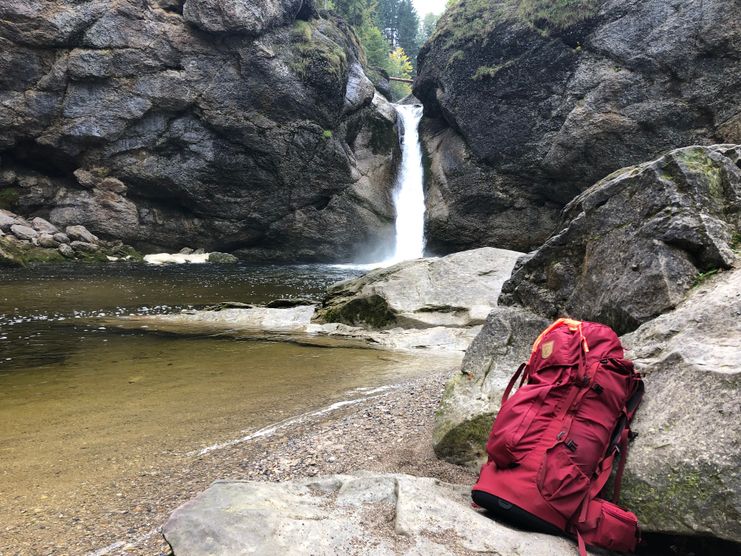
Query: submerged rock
[(634, 243), (457, 290), (683, 473), (380, 514)]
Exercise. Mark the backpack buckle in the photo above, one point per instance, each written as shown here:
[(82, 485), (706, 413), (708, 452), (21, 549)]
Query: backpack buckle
[(571, 445)]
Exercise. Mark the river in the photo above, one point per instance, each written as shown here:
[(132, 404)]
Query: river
[(84, 408)]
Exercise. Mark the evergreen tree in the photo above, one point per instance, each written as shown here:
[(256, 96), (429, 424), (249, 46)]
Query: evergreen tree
[(356, 12), (386, 18), (408, 28), (429, 21), (376, 46)]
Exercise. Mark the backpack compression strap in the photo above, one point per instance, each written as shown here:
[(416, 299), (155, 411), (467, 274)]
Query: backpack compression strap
[(574, 326)]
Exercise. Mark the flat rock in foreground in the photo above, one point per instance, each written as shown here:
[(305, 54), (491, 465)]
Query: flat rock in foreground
[(380, 514)]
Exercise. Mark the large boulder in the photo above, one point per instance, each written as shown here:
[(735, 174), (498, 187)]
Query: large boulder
[(456, 290), (683, 472), (471, 398), (240, 126), (380, 514), (529, 103), (632, 245)]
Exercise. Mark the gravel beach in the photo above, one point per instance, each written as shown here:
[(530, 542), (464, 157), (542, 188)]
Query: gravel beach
[(383, 430)]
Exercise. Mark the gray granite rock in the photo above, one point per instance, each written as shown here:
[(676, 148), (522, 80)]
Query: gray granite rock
[(61, 237), (46, 240), (456, 290), (241, 16), (80, 233), (23, 232), (633, 244), (472, 397), (84, 247), (529, 103), (8, 218), (683, 473), (66, 251), (290, 157), (41, 225), (380, 514)]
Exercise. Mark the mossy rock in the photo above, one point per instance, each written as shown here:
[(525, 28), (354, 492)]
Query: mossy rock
[(683, 489), (475, 20), (127, 252), (16, 253), (370, 311), (465, 443), (317, 59), (222, 258), (9, 197)]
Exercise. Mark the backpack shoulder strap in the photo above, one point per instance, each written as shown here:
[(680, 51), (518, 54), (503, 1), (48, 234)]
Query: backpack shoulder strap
[(512, 381)]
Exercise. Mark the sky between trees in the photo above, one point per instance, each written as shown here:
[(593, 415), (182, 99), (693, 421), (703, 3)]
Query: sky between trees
[(429, 6)]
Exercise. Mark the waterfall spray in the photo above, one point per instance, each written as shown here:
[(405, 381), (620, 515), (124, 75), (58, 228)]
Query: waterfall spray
[(409, 197)]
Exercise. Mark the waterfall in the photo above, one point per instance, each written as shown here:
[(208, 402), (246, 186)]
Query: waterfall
[(409, 197), (408, 194)]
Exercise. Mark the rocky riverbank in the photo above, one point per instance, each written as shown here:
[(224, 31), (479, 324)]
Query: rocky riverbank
[(389, 430), (38, 240)]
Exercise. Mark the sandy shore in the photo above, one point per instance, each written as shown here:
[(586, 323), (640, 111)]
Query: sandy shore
[(384, 430)]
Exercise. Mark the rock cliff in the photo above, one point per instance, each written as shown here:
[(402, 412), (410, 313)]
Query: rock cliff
[(223, 123), (527, 103)]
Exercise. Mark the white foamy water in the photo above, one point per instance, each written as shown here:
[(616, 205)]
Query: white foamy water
[(409, 196)]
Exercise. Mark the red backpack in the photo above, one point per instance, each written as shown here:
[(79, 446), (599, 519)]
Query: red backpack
[(553, 443)]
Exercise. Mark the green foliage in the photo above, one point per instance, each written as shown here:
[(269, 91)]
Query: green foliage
[(376, 46), (399, 22), (457, 56), (327, 134), (702, 277), (399, 65), (301, 31), (407, 26), (8, 197), (736, 241), (557, 14), (356, 12)]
